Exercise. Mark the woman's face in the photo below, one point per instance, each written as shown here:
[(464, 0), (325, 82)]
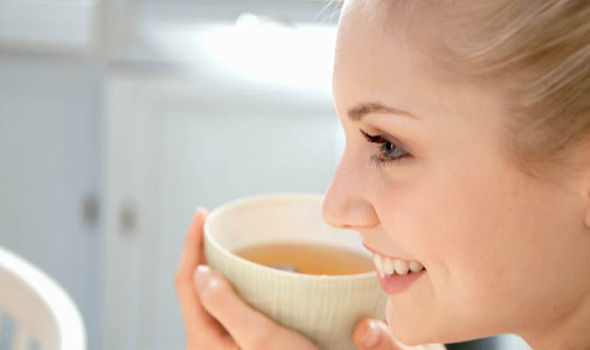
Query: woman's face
[(503, 252)]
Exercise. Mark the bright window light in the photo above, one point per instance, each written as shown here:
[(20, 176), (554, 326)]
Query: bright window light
[(295, 55)]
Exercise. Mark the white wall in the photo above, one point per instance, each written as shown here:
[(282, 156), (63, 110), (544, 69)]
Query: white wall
[(49, 113)]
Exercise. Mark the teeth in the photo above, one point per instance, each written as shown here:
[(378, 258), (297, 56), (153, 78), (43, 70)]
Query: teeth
[(378, 262), (401, 267), (387, 266), (416, 266)]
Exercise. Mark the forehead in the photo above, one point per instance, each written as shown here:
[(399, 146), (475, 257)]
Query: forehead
[(374, 60), (379, 60)]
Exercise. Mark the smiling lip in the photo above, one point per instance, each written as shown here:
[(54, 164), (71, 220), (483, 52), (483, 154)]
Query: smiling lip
[(393, 282)]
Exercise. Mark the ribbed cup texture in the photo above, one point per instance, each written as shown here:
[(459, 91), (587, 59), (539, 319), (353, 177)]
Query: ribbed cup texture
[(325, 309)]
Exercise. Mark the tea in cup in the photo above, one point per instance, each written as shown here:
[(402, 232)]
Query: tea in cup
[(285, 261)]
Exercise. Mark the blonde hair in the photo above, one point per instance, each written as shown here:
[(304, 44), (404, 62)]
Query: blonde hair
[(539, 54)]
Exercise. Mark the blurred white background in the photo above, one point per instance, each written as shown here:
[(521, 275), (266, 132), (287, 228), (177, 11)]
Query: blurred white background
[(118, 118)]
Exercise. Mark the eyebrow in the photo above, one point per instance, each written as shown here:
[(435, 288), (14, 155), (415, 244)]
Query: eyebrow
[(359, 111)]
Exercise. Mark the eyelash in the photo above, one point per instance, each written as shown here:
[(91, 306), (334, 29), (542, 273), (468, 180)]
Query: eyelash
[(379, 160)]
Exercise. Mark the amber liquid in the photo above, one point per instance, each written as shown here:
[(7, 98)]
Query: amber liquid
[(312, 259)]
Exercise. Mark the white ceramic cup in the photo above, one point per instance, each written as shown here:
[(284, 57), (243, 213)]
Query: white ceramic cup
[(323, 308)]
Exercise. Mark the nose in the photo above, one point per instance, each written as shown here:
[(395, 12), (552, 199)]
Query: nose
[(346, 203)]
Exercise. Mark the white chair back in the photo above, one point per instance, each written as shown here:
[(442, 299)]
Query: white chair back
[(35, 312)]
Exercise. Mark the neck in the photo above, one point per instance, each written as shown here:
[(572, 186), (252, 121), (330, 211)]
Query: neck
[(570, 331)]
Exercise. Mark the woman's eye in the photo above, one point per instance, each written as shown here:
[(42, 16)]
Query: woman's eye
[(389, 152)]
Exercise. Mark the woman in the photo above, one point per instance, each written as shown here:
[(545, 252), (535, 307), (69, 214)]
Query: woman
[(468, 151)]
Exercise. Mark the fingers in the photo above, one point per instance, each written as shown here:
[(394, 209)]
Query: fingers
[(249, 328), (193, 242), (196, 319), (221, 302)]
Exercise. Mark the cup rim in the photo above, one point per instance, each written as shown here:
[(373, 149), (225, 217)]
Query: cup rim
[(272, 197)]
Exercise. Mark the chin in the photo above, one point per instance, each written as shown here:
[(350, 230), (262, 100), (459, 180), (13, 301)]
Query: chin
[(413, 331), (412, 339), (406, 330), (416, 334)]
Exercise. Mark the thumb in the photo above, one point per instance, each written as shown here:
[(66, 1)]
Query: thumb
[(374, 335)]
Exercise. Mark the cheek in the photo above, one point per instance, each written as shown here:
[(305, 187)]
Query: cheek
[(446, 218), (469, 229), (482, 238)]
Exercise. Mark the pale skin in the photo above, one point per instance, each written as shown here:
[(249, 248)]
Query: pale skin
[(504, 252)]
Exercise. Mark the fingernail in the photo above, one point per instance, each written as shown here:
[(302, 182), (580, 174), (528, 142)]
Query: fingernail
[(203, 277), (371, 336)]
